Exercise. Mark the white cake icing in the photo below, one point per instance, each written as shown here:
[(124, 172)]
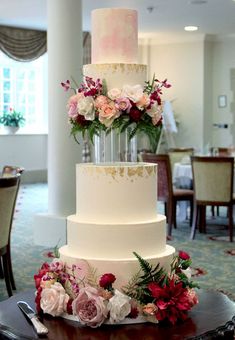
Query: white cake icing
[(117, 75), (116, 215)]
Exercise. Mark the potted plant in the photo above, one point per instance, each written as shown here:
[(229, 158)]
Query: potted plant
[(12, 120)]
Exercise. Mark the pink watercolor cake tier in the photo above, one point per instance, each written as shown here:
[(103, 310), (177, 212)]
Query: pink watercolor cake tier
[(115, 48)]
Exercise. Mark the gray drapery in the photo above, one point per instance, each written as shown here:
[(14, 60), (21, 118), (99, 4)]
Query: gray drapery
[(23, 44)]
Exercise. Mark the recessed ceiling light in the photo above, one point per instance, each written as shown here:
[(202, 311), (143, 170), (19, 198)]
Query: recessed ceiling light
[(190, 28), (199, 2)]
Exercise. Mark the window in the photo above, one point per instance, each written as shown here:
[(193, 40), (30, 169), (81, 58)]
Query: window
[(23, 88)]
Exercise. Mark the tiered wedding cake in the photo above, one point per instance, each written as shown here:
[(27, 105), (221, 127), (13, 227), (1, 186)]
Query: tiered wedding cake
[(116, 204)]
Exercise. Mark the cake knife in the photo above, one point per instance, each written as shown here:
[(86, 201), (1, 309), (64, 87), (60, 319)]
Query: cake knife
[(32, 316)]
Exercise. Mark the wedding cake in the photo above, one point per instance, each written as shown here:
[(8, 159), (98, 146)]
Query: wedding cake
[(116, 204), (116, 215), (116, 267)]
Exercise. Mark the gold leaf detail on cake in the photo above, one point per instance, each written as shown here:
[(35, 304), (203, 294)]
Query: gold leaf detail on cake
[(111, 171), (121, 171), (150, 169), (135, 171)]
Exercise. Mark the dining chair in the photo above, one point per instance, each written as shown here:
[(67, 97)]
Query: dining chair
[(177, 155), (11, 170), (9, 187), (166, 192), (213, 186)]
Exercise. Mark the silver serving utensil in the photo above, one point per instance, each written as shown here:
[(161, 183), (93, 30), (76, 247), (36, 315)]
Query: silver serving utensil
[(32, 316)]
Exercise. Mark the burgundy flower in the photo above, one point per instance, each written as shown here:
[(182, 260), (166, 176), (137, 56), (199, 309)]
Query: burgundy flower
[(106, 280), (38, 299), (135, 114), (66, 85), (183, 255), (172, 301), (80, 119), (69, 307)]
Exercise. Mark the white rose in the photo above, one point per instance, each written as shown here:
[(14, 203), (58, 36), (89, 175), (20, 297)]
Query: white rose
[(134, 93), (54, 300), (187, 272), (119, 307), (114, 93), (86, 107), (154, 110)]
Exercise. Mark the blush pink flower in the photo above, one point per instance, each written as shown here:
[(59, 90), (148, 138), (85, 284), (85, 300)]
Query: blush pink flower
[(107, 113), (114, 93), (89, 307), (100, 101), (192, 297), (123, 104), (143, 102), (72, 105), (54, 300)]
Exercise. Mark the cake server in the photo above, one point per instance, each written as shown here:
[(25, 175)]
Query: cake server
[(32, 316)]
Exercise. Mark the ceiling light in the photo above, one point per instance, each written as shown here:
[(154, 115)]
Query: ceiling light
[(190, 28)]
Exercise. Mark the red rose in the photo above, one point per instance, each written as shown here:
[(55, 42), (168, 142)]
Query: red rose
[(135, 114), (106, 280), (183, 255)]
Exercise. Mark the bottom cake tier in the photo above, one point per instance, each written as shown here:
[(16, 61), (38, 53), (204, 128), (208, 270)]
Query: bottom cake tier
[(124, 269)]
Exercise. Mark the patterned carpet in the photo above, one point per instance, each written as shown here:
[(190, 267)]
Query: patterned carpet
[(213, 256)]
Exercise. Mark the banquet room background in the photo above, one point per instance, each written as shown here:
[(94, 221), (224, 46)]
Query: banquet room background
[(199, 67)]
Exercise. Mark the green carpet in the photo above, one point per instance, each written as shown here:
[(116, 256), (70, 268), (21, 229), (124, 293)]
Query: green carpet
[(213, 256)]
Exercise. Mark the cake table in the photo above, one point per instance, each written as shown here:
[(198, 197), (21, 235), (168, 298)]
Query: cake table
[(212, 318)]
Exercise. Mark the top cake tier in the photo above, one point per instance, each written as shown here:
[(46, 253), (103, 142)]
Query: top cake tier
[(114, 36)]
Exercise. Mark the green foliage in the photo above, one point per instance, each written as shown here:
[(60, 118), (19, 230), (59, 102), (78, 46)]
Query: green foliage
[(12, 118), (137, 288)]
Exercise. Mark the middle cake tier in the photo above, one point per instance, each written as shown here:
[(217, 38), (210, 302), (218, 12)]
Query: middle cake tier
[(117, 75), (116, 241)]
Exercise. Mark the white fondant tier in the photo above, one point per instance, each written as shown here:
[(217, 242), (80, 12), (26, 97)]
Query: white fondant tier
[(114, 35), (116, 193), (123, 269), (116, 241), (117, 75)]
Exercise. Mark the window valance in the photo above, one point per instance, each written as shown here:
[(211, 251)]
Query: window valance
[(23, 44)]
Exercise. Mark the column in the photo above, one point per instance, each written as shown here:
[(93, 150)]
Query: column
[(64, 42)]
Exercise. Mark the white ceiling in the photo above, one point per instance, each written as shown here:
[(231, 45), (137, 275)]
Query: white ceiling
[(167, 16)]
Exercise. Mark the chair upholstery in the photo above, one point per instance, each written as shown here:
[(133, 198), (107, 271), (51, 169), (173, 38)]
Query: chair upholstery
[(11, 170), (213, 185), (165, 191), (178, 154), (9, 187)]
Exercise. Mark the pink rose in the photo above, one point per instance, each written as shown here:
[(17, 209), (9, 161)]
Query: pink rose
[(155, 112), (54, 300), (192, 297), (114, 93), (123, 104), (89, 307), (72, 105), (101, 101), (143, 102), (150, 309), (107, 113)]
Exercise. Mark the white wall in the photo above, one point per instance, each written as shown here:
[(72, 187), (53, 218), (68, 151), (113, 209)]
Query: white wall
[(28, 151), (199, 70)]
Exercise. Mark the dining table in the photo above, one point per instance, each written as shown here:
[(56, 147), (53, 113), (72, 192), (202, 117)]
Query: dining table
[(212, 318)]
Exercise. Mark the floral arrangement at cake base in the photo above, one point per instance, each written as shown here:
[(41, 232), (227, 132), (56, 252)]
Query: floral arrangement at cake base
[(153, 295), (93, 109)]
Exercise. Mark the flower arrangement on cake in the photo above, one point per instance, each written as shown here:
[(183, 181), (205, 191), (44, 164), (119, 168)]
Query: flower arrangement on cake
[(93, 108), (152, 294)]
